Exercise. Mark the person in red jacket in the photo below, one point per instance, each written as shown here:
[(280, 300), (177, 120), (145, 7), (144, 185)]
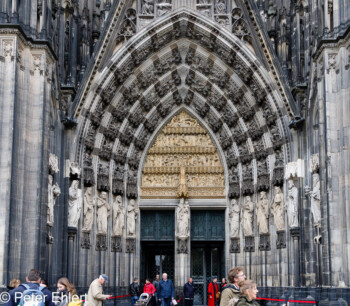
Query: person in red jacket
[(213, 288), (150, 289)]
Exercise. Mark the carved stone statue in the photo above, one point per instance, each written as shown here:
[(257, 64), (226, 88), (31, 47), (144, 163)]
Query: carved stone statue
[(262, 213), (88, 210), (277, 209), (103, 212), (53, 192), (74, 204), (183, 217), (234, 219), (118, 216), (292, 207), (74, 169), (53, 164), (248, 210), (131, 218), (316, 199)]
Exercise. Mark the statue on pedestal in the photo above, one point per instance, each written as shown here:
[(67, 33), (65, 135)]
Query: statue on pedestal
[(292, 207), (277, 209), (183, 217), (103, 212), (88, 210), (316, 199), (118, 216), (262, 213), (248, 211), (53, 192), (234, 219), (131, 218), (74, 204)]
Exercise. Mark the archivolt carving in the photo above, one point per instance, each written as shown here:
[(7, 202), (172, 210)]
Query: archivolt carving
[(183, 155)]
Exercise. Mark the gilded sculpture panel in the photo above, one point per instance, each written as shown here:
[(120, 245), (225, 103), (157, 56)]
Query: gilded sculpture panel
[(183, 161)]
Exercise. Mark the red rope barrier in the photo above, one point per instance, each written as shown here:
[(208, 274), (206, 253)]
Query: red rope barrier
[(292, 301)]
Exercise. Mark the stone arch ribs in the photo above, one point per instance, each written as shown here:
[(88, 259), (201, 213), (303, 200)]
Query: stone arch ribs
[(187, 60)]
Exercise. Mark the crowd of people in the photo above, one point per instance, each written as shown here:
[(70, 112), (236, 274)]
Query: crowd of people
[(236, 292), (35, 291)]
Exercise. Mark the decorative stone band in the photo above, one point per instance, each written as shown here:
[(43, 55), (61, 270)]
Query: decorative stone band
[(193, 192), (183, 150), (176, 170), (184, 130)]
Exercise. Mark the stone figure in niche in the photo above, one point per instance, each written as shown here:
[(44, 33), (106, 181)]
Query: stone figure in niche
[(183, 216), (131, 218), (118, 216), (88, 210), (277, 209), (74, 204), (53, 164), (74, 169), (147, 7), (53, 192), (234, 219), (292, 207), (103, 212), (248, 210), (262, 213), (316, 199)]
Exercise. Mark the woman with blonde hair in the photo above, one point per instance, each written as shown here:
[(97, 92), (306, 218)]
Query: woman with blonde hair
[(248, 294), (14, 284), (66, 290)]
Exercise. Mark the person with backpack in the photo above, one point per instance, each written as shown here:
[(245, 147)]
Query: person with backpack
[(66, 292), (248, 294), (213, 292), (231, 290), (25, 292)]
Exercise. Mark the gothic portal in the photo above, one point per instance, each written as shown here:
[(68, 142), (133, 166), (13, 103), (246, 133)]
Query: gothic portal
[(188, 137)]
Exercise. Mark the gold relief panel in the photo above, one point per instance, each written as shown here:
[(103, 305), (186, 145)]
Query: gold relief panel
[(183, 161)]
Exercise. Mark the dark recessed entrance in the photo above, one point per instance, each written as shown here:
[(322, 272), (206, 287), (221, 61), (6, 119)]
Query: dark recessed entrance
[(207, 250), (157, 243)]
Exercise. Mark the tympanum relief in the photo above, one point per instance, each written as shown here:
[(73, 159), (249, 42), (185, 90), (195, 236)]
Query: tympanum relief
[(183, 158)]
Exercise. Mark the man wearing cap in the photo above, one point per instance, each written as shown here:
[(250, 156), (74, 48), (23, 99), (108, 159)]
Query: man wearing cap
[(95, 295)]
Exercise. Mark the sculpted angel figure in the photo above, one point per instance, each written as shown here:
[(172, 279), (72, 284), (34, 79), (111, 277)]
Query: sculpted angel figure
[(118, 216), (88, 209), (248, 210), (53, 192), (262, 213), (183, 216), (277, 209), (316, 199), (234, 215), (74, 204), (131, 218), (103, 212), (292, 207)]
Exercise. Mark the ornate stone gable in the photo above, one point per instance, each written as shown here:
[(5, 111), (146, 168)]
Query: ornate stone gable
[(183, 144)]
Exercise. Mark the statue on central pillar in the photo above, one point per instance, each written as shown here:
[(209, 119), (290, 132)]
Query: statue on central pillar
[(183, 189), (183, 225)]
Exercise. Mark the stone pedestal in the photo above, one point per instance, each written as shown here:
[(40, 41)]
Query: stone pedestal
[(72, 232), (295, 234)]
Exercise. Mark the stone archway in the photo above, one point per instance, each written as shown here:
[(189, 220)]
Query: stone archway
[(183, 61)]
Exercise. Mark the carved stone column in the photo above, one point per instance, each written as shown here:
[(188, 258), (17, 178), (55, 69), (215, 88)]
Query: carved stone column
[(72, 232), (295, 234)]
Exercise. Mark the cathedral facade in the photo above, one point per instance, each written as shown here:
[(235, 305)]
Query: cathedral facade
[(181, 136)]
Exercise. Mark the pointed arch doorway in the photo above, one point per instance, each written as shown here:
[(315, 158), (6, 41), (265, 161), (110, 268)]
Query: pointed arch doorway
[(183, 162)]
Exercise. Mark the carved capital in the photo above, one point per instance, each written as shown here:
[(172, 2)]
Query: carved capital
[(101, 242), (130, 245)]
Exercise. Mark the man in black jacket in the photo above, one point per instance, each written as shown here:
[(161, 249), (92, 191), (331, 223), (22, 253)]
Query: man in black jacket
[(134, 291), (189, 292)]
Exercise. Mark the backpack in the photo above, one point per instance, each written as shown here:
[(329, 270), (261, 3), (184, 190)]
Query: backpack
[(32, 296)]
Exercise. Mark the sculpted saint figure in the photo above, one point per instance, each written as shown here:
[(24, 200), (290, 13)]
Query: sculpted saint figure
[(248, 210), (53, 192), (74, 204), (118, 216), (316, 199), (183, 216), (88, 209), (262, 213), (53, 163), (292, 207), (131, 218), (277, 209), (234, 219), (103, 211)]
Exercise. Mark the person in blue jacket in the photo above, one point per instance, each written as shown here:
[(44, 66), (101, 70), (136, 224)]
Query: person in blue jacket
[(189, 292), (33, 282), (166, 290)]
